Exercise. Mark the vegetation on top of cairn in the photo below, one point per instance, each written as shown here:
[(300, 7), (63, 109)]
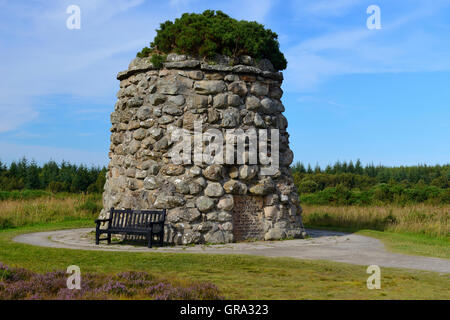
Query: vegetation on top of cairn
[(213, 32)]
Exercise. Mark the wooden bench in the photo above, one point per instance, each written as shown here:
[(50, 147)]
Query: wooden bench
[(148, 223)]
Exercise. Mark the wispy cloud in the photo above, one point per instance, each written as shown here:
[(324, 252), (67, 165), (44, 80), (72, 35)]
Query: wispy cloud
[(15, 113), (42, 57), (401, 46)]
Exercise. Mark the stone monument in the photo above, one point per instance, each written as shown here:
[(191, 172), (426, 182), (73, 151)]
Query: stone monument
[(236, 196)]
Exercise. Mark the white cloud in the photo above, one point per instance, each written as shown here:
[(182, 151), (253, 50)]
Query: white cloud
[(41, 57), (400, 46), (14, 113)]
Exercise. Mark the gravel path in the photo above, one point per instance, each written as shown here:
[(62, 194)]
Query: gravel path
[(323, 245)]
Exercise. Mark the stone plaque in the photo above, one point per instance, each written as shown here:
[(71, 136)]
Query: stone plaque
[(247, 218)]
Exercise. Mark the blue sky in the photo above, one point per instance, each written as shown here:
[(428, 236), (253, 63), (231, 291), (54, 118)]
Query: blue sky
[(379, 95)]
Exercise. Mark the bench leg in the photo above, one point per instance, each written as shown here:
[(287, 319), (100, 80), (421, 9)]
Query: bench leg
[(150, 238), (97, 237), (161, 239), (109, 238)]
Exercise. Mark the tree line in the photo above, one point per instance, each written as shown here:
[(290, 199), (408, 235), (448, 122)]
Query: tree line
[(351, 183), (63, 177), (342, 183)]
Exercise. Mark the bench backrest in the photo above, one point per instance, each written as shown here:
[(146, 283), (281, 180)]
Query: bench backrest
[(135, 219)]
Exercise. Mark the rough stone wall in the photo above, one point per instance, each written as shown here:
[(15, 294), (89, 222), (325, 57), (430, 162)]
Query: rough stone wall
[(214, 203)]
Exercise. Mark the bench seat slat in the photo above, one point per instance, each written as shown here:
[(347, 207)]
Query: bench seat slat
[(134, 219)]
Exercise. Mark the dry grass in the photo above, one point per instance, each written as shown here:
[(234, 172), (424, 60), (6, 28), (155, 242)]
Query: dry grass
[(16, 213), (418, 219)]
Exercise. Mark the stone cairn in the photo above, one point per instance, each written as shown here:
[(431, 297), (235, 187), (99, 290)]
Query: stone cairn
[(215, 203)]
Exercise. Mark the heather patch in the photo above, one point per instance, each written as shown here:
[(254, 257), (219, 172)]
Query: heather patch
[(19, 283)]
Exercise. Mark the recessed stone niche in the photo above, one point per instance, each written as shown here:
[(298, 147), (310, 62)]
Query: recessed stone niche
[(207, 202)]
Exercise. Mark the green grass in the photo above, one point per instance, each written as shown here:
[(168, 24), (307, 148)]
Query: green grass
[(421, 219), (415, 244), (237, 276), (49, 208), (24, 194)]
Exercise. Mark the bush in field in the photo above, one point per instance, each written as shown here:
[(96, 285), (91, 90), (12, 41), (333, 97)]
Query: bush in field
[(307, 186), (214, 32), (91, 204), (440, 182)]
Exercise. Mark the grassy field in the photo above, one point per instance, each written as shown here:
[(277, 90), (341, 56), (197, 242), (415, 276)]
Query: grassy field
[(243, 277), (28, 209), (238, 276), (418, 229), (421, 219)]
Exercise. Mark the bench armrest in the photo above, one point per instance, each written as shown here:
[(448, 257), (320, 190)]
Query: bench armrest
[(154, 223), (102, 220)]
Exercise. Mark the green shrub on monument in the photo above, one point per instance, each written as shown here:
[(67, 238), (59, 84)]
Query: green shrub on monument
[(213, 32)]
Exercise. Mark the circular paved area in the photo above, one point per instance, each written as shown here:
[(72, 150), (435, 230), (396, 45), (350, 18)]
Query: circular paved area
[(323, 245)]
